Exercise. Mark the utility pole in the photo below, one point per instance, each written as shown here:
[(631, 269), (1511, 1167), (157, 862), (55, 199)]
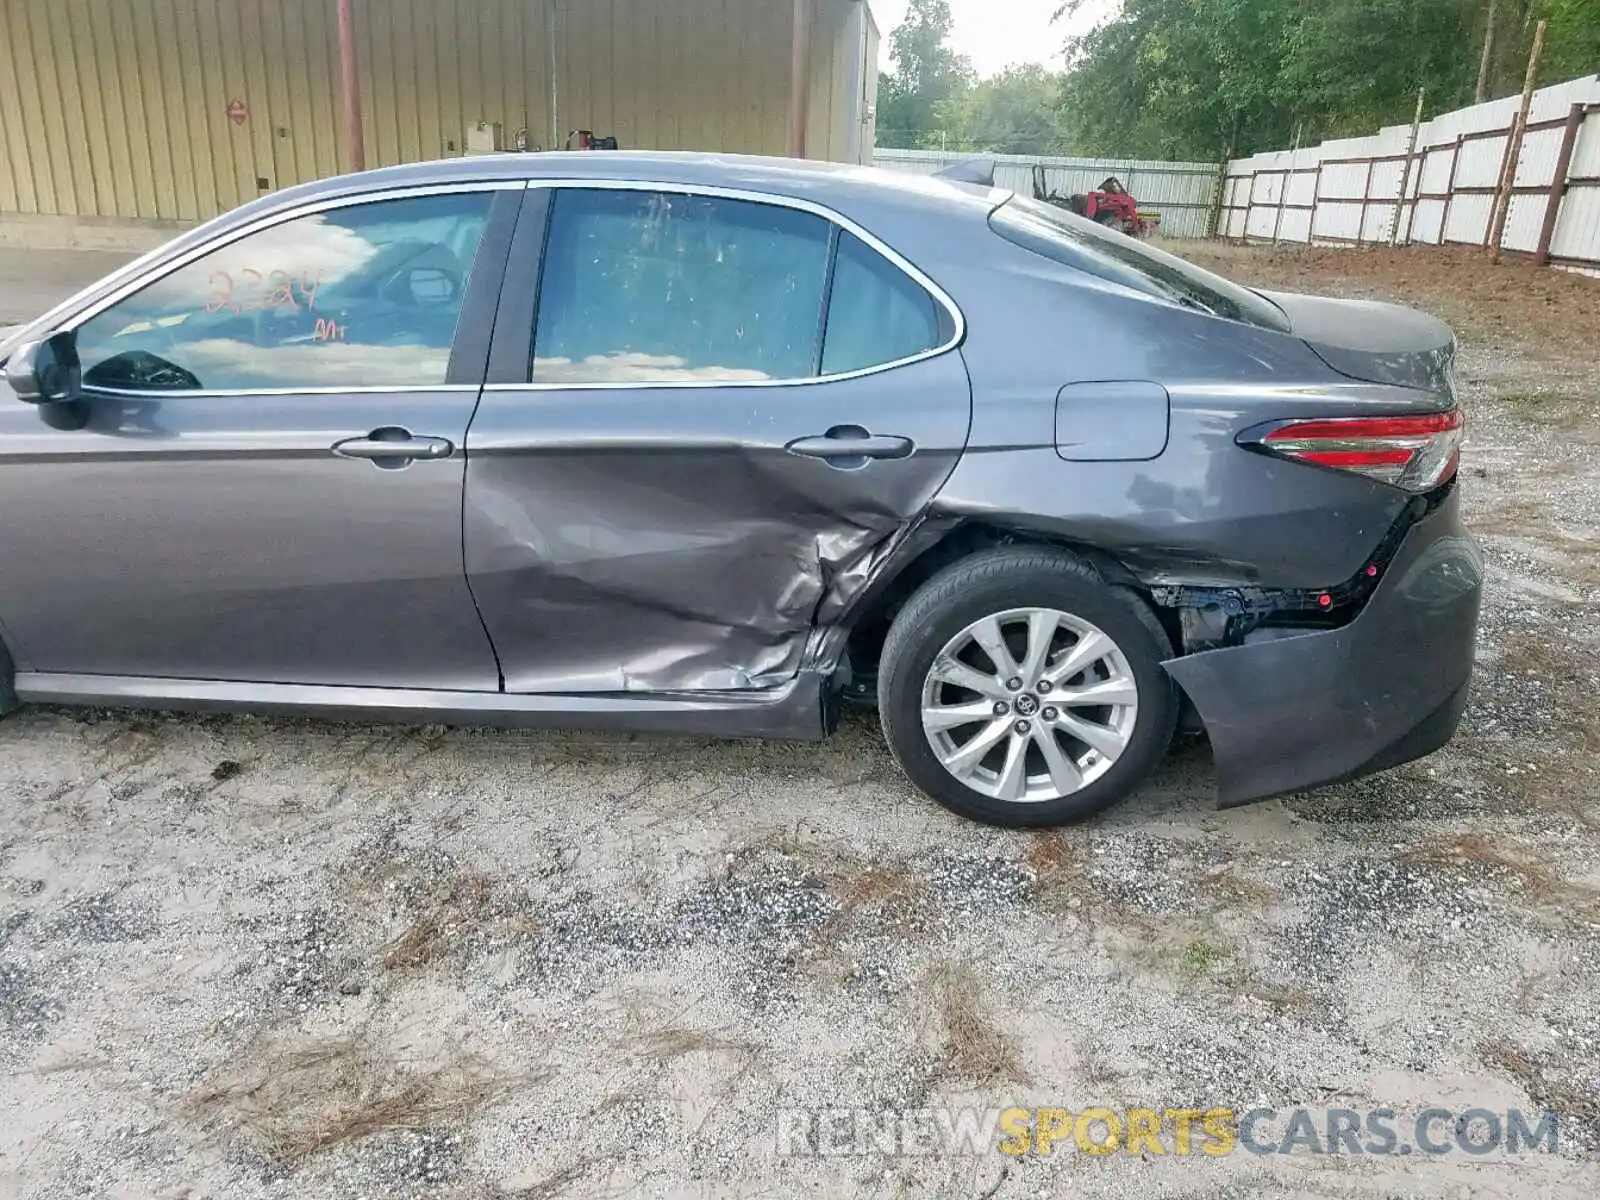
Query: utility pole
[(1488, 54)]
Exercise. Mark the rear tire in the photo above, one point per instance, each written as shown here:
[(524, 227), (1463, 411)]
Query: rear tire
[(1099, 641)]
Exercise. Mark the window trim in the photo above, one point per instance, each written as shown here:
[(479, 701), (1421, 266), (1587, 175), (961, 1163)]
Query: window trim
[(957, 319), (161, 270)]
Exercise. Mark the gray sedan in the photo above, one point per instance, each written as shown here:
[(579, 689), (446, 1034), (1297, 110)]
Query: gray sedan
[(697, 444)]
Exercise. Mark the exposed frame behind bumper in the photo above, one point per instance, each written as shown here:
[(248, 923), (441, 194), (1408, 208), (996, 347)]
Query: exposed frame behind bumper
[(1316, 708)]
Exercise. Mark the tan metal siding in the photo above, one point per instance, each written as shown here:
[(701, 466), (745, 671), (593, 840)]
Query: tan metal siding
[(120, 107), (16, 177)]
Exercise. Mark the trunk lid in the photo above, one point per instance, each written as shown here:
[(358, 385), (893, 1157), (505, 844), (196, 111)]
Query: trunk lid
[(1374, 342)]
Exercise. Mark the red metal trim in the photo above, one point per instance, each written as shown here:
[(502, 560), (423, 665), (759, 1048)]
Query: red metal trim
[(1355, 162)]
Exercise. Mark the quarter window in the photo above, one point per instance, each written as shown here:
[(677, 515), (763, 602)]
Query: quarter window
[(364, 296), (878, 314), (666, 287)]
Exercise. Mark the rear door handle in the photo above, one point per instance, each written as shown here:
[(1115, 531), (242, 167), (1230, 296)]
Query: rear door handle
[(392, 447), (850, 447)]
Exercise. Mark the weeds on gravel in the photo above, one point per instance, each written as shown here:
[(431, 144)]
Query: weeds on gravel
[(551, 1185), (1505, 859), (1552, 410), (1060, 865), (974, 1047), (1201, 957), (1572, 1101), (462, 904), (885, 896), (676, 1041), (298, 1101)]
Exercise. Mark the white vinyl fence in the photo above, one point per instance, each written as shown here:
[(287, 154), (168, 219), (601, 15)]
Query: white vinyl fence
[(1366, 191), (1185, 194)]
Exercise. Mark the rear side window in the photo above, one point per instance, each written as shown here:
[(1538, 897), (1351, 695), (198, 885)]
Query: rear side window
[(660, 287), (878, 314), (666, 287), (1073, 241)]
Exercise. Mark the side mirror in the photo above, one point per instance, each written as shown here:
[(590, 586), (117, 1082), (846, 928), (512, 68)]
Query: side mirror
[(46, 371)]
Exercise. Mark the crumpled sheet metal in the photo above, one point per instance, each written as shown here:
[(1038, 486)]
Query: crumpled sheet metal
[(692, 552)]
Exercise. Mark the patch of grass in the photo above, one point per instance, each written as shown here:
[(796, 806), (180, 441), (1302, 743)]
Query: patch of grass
[(1201, 957), (973, 1046), (294, 1101), (1527, 655), (1571, 1100)]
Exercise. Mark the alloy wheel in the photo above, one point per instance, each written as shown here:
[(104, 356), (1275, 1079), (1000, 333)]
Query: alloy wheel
[(1029, 705)]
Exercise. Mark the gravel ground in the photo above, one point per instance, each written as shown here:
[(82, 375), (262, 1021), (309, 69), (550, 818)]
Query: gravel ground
[(252, 958)]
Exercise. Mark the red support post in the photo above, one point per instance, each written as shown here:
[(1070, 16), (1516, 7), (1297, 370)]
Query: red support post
[(1366, 199), (1558, 185), (355, 148), (1450, 190)]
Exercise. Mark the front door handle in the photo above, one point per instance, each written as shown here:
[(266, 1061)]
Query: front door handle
[(850, 447), (391, 447)]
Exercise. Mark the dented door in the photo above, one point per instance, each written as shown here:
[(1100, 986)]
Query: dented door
[(631, 525)]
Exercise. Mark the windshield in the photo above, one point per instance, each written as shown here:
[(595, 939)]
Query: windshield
[(1073, 241)]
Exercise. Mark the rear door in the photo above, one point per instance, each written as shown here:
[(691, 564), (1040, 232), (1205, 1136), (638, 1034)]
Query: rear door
[(707, 413), (264, 481)]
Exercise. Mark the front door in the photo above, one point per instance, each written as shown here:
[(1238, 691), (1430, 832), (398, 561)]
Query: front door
[(726, 410), (265, 481)]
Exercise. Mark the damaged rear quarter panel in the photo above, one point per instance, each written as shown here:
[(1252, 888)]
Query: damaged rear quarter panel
[(1203, 511), (663, 539)]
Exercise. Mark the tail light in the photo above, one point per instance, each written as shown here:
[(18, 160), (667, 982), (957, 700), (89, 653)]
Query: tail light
[(1417, 453)]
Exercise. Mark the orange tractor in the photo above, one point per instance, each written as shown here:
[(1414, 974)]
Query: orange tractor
[(1112, 206)]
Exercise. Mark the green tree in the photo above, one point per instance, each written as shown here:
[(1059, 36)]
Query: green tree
[(1015, 112), (1573, 39), (917, 102), (1202, 78)]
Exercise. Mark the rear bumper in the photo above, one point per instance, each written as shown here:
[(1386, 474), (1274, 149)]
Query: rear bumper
[(1317, 708)]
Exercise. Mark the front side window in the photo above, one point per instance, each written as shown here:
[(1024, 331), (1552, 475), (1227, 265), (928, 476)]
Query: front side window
[(363, 296), (663, 288)]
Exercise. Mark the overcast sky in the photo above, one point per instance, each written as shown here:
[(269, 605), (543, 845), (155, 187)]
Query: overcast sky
[(996, 34)]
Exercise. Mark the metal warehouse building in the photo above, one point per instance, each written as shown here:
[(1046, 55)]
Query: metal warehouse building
[(180, 109)]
